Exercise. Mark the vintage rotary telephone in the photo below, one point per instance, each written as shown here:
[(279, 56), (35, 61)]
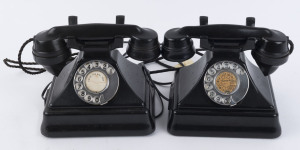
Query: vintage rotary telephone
[(98, 93), (101, 93), (223, 93)]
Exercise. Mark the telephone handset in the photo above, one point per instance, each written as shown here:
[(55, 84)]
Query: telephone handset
[(52, 51), (224, 94), (110, 93), (270, 47)]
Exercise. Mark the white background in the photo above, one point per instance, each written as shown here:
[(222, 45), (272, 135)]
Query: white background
[(21, 106)]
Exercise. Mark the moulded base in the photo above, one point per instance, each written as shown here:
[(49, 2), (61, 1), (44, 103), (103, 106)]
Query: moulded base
[(80, 122), (204, 122), (87, 120)]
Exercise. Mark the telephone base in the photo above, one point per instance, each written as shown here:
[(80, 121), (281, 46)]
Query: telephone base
[(83, 120), (129, 113), (86, 122), (212, 123), (193, 113)]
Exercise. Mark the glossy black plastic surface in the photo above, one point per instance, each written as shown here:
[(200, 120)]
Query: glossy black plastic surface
[(270, 47), (177, 49), (52, 47), (192, 113), (130, 112)]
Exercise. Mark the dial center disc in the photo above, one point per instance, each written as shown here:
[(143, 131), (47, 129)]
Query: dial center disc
[(96, 81), (226, 82)]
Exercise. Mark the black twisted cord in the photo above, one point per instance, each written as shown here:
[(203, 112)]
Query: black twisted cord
[(163, 64), (162, 108), (152, 84), (45, 90), (20, 63), (151, 81), (198, 51), (7, 61), (28, 70), (40, 70), (162, 83), (167, 66)]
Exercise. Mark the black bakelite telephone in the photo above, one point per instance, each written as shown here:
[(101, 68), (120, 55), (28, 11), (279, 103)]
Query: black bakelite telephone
[(223, 93), (99, 93)]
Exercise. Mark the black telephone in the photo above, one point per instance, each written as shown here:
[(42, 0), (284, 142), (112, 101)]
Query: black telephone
[(99, 93), (223, 93)]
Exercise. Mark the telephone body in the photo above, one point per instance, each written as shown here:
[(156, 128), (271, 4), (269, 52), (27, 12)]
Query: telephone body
[(223, 93), (99, 93)]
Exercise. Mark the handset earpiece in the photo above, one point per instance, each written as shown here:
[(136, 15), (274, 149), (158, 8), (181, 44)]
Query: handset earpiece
[(269, 55), (270, 52), (177, 47), (52, 55), (144, 47)]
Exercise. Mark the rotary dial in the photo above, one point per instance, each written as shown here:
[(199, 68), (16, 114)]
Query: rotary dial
[(226, 83), (96, 82)]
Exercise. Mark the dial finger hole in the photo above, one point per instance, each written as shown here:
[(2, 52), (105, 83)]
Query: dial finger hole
[(88, 98), (110, 70), (226, 100), (82, 71), (233, 66), (212, 71), (88, 66), (218, 66), (225, 64), (211, 93), (82, 93), (208, 78), (78, 86), (208, 86), (240, 71), (96, 64), (97, 100), (218, 98), (104, 66), (79, 78)]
